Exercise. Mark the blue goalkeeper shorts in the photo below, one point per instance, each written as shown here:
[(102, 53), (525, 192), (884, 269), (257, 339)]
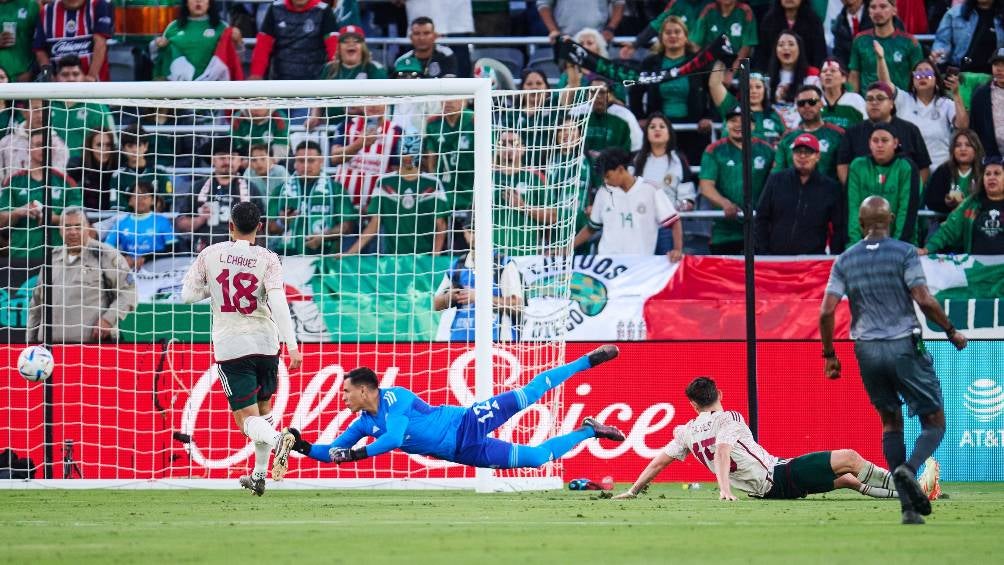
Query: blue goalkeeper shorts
[(474, 446)]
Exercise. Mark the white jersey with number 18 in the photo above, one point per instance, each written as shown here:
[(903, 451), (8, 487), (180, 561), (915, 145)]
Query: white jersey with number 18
[(237, 277), (751, 469)]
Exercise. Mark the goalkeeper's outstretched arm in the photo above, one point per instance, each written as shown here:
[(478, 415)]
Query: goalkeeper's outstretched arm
[(341, 450), (652, 471)]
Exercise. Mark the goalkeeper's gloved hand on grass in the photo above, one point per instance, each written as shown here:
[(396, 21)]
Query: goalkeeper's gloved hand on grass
[(345, 455)]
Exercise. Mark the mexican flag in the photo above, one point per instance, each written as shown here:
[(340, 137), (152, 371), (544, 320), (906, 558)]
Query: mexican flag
[(224, 65)]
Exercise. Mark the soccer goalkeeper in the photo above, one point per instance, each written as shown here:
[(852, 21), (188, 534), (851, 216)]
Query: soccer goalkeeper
[(399, 419)]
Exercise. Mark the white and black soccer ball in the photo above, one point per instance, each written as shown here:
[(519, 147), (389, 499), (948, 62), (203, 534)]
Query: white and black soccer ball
[(35, 363)]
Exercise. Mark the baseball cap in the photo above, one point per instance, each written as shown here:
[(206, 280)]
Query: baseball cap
[(352, 30), (734, 111), (997, 56), (407, 65), (806, 140), (883, 87)]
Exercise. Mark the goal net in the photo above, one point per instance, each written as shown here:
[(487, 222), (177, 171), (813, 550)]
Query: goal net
[(378, 195)]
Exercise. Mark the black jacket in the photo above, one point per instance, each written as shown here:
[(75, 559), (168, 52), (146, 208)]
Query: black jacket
[(808, 26), (644, 101), (911, 142), (797, 219), (981, 116), (843, 35)]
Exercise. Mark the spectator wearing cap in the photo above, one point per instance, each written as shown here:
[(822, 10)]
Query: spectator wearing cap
[(800, 207), (976, 224), (296, 39), (353, 59), (841, 107), (135, 167), (809, 103), (568, 17), (721, 181), (437, 61), (884, 172), (987, 111), (203, 215), (900, 47), (408, 67), (880, 105), (969, 34)]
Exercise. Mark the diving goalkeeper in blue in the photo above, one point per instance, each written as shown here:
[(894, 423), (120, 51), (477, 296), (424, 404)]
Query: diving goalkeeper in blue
[(400, 420)]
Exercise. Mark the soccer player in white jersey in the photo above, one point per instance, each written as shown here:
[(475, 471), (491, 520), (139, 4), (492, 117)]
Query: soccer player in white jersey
[(723, 442), (250, 317), (629, 211)]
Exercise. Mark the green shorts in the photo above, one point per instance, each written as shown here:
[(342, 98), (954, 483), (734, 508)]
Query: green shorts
[(807, 474), (248, 380)]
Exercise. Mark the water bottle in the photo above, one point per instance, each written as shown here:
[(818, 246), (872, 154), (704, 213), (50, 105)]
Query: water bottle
[(630, 331), (620, 330)]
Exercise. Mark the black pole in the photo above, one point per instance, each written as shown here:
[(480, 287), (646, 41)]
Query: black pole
[(748, 248)]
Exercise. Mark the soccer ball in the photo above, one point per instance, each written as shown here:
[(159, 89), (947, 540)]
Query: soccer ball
[(35, 363)]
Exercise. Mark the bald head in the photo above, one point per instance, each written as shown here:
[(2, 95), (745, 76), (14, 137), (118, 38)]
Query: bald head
[(874, 214)]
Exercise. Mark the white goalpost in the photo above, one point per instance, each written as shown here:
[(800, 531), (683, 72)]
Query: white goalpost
[(395, 206)]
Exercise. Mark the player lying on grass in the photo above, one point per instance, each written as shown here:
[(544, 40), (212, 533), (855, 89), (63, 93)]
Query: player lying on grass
[(723, 442), (400, 420)]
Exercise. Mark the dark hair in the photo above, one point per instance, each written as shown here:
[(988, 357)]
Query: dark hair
[(133, 135), (258, 147), (646, 146), (976, 184), (143, 187), (245, 216), (801, 65), (89, 139), (363, 376), (611, 158), (527, 72), (223, 144), (808, 87), (423, 20), (308, 144), (67, 61), (702, 391), (211, 12), (997, 8), (884, 127), (939, 82)]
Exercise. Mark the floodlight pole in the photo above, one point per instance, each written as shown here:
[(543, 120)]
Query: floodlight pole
[(748, 247)]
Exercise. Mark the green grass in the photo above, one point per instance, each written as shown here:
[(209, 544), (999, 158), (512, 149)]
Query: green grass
[(669, 525)]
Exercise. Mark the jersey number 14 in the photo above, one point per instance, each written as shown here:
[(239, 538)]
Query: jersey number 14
[(244, 287)]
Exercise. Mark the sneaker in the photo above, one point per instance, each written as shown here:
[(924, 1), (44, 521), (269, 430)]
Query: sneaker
[(907, 483), (256, 486), (930, 479), (602, 354), (280, 462), (603, 430), (910, 517)]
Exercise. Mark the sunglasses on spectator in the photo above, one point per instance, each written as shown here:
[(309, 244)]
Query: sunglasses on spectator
[(807, 102), (876, 98), (410, 74), (923, 74), (993, 160)]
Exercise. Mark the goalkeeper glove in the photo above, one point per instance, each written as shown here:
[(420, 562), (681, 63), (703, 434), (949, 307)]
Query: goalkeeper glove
[(344, 454), (300, 445)]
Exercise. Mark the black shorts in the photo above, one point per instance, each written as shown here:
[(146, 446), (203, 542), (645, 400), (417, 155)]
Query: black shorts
[(895, 368), (248, 380), (807, 474)]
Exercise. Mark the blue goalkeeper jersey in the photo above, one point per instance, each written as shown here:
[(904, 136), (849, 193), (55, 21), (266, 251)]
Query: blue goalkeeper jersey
[(405, 421)]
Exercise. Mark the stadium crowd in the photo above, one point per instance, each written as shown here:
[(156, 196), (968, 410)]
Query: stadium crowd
[(846, 104)]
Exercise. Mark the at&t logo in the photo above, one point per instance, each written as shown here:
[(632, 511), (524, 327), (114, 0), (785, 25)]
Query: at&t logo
[(984, 399)]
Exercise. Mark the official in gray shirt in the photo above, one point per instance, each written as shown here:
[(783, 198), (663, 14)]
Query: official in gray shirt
[(882, 278)]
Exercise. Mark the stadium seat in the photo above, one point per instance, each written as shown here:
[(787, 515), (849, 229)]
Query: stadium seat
[(511, 57), (544, 63)]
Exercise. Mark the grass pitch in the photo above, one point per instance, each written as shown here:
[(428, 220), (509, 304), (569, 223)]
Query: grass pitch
[(669, 525)]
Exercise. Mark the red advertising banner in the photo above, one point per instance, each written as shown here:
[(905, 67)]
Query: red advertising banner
[(127, 420)]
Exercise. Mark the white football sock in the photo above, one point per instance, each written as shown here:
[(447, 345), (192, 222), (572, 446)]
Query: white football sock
[(877, 492), (262, 451), (258, 429), (873, 475)]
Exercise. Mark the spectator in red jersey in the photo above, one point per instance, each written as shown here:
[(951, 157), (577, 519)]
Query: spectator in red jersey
[(76, 27), (366, 151), (296, 39)]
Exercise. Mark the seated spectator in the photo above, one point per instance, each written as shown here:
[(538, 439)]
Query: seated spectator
[(852, 20), (635, 232), (438, 61), (448, 151), (16, 56), (264, 174), (204, 214), (142, 233), (198, 46), (353, 59), (295, 40), (14, 147), (87, 40), (568, 17), (310, 213), (902, 48), (523, 208), (798, 17), (788, 70), (842, 108), (261, 126), (533, 115), (988, 107), (95, 170), (800, 207), (667, 169), (886, 173), (959, 176), (409, 207), (22, 200), (365, 152), (975, 225), (721, 182), (456, 293), (72, 120), (768, 125), (604, 129), (857, 143), (95, 290), (136, 166), (969, 34), (925, 105), (809, 102), (731, 18)]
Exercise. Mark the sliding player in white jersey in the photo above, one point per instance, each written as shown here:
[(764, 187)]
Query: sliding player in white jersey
[(723, 442), (250, 318)]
